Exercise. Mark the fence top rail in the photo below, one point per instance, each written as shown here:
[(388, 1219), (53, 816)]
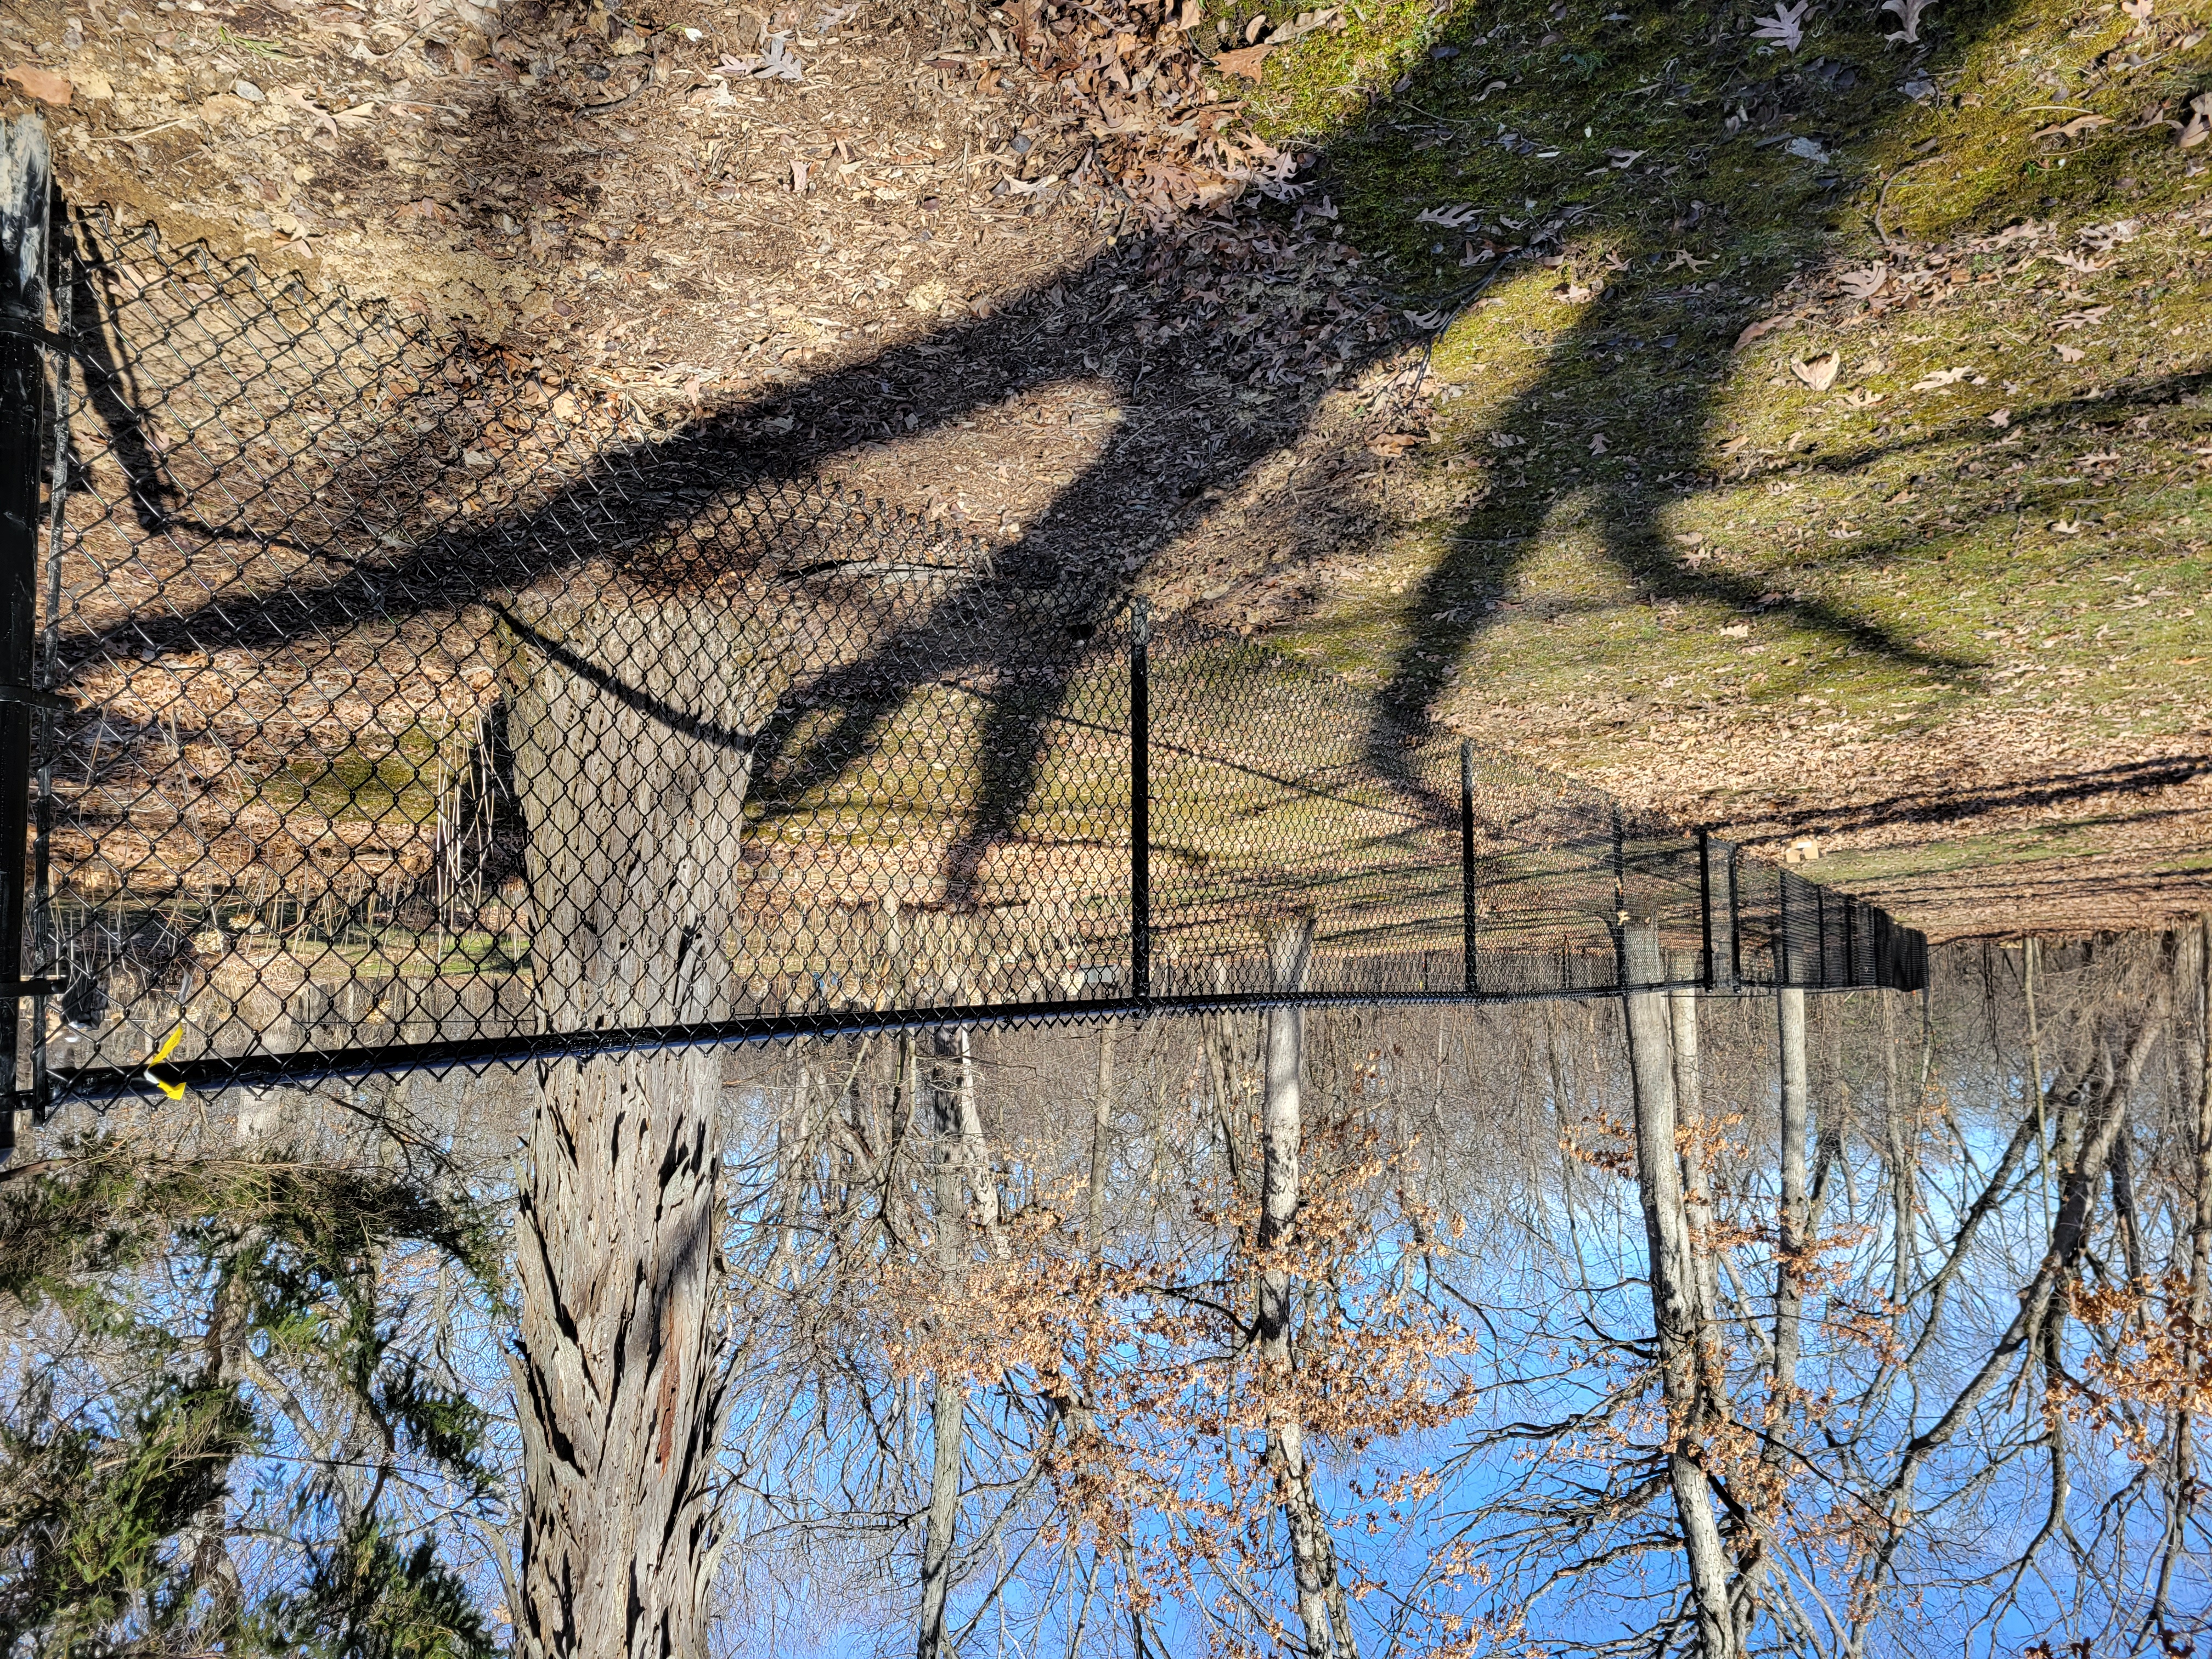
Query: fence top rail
[(270, 1070)]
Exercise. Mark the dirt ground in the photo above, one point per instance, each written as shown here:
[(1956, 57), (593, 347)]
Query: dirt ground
[(1074, 280)]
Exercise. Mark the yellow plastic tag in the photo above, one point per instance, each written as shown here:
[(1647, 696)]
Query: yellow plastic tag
[(175, 1090)]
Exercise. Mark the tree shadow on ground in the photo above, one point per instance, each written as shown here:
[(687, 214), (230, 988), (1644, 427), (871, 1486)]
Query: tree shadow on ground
[(1151, 320)]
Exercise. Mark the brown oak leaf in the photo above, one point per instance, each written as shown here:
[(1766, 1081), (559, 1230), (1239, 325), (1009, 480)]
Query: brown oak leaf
[(1245, 60), (43, 85), (1819, 371)]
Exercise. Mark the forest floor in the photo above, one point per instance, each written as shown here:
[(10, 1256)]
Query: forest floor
[(1786, 423)]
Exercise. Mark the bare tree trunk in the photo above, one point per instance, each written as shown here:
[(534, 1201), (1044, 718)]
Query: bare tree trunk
[(1903, 1160), (1102, 1143), (631, 761), (1829, 1135), (1078, 1409), (2200, 1228), (2027, 955), (1697, 1196), (948, 1412), (1794, 1240), (1323, 1609), (1673, 1286), (959, 1138), (976, 1162), (1712, 1384), (1221, 1072), (1789, 1270), (2123, 1206), (2181, 1476), (1281, 1129)]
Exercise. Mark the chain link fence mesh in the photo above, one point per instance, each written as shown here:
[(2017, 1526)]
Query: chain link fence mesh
[(421, 707)]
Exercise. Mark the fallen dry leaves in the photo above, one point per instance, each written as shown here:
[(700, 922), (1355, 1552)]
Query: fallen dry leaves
[(1819, 371), (1245, 60), (1785, 27), (43, 85), (1169, 142), (2198, 127), (1864, 284), (1936, 378)]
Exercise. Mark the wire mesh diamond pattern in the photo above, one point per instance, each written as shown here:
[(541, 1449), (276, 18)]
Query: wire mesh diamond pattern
[(422, 708)]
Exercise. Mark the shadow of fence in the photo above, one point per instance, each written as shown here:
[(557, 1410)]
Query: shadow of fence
[(417, 709)]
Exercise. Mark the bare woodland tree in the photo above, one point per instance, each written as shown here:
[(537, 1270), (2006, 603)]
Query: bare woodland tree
[(964, 1158), (631, 767), (1400, 1331), (1674, 1280), (1322, 1607), (1199, 1345)]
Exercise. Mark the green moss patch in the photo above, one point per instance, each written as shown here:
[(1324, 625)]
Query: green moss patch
[(1859, 390)]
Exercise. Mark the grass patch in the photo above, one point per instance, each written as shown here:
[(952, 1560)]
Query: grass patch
[(1633, 536)]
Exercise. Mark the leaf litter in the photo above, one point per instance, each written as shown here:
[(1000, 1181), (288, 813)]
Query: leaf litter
[(751, 278)]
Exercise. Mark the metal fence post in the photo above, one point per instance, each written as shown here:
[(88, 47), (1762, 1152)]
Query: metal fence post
[(1735, 922), (1619, 862), (1820, 932), (1785, 956), (1467, 860), (26, 188), (1140, 799), (43, 943), (1705, 905)]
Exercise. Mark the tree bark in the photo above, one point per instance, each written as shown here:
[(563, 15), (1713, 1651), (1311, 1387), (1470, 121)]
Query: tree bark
[(2181, 1476), (1101, 1142), (948, 1412), (1828, 1135), (2123, 1206), (2200, 1227), (1078, 1408), (2027, 955), (1281, 1131), (1323, 1609), (1697, 1196), (631, 761), (1789, 1270), (959, 1134), (1673, 1286), (1904, 1134)]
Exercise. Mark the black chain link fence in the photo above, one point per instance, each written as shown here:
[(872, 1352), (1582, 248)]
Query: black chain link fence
[(416, 708)]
